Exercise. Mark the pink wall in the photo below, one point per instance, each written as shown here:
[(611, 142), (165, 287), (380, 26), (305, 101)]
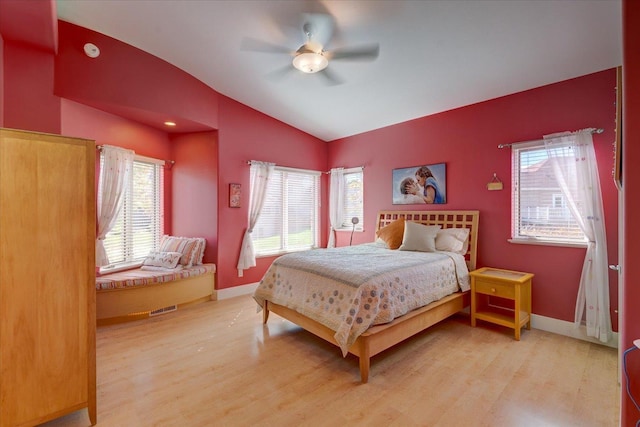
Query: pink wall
[(631, 187), (466, 140), (1, 81), (29, 100), (130, 82), (80, 121), (29, 28), (246, 134), (86, 122), (34, 23), (195, 188)]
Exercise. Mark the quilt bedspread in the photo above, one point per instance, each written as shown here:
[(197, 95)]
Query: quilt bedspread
[(349, 289)]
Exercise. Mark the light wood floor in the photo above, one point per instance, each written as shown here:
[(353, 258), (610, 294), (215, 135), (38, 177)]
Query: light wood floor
[(215, 365)]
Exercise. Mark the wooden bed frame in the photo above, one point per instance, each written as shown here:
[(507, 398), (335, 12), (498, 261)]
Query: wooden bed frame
[(381, 337), (121, 305)]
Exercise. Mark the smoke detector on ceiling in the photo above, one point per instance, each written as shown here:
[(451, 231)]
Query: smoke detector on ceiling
[(91, 50)]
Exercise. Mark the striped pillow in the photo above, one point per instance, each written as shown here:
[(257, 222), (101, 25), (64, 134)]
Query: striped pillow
[(199, 252), (185, 245)]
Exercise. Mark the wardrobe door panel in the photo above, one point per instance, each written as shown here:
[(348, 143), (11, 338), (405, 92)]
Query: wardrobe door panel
[(47, 328)]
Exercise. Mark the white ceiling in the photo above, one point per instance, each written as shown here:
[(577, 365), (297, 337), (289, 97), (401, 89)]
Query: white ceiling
[(434, 55)]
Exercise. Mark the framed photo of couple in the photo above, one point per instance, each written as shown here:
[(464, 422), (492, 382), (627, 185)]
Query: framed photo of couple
[(420, 185)]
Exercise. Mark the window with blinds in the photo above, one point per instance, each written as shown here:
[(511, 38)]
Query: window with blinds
[(289, 220), (139, 225), (540, 209), (353, 205)]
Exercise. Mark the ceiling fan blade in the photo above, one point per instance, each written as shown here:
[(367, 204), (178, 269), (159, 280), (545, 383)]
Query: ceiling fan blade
[(361, 53), (280, 73), (255, 45), (330, 78)]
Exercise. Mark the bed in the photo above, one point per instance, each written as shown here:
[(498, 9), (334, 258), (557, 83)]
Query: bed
[(367, 311)]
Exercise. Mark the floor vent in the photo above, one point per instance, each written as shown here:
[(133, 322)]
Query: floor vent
[(163, 310)]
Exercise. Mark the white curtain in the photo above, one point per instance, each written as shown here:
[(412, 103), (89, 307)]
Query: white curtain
[(115, 175), (260, 173), (336, 203), (576, 169)]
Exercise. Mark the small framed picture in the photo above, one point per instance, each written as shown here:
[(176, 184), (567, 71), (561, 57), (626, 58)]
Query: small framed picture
[(235, 192)]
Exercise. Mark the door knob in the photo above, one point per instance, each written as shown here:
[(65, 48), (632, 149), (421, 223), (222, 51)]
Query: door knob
[(615, 267)]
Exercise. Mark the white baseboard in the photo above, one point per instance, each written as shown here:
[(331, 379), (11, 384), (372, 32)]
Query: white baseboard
[(549, 324), (569, 329), (237, 291)]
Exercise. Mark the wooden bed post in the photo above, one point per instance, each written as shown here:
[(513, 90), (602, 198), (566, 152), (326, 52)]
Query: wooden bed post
[(265, 312), (365, 361)]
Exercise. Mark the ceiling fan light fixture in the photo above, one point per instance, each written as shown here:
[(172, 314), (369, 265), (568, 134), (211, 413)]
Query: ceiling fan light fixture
[(310, 62)]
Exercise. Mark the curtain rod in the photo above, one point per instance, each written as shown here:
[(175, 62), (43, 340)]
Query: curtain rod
[(249, 162), (600, 130), (355, 167), (169, 163)]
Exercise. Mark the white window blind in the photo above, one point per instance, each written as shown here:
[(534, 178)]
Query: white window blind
[(140, 223), (289, 220), (353, 205), (540, 210)]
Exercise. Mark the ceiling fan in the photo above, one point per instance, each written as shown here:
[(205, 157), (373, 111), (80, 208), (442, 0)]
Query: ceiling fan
[(312, 57)]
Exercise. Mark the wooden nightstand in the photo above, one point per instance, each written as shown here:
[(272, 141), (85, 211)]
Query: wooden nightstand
[(511, 285)]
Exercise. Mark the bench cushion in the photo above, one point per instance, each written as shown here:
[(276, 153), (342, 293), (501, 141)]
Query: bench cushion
[(137, 277)]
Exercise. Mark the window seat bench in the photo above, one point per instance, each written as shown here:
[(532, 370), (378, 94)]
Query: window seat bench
[(135, 294)]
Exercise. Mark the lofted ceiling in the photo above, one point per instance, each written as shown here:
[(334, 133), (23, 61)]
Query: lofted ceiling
[(434, 55)]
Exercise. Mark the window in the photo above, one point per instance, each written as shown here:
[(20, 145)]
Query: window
[(540, 209), (558, 201), (289, 220), (353, 198), (139, 225)]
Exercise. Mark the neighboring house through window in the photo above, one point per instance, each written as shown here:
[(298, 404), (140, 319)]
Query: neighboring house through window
[(540, 211), (140, 223), (290, 218)]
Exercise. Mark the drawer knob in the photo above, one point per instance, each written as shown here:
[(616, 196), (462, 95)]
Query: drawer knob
[(493, 290)]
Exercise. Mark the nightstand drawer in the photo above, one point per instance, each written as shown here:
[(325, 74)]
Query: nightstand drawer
[(496, 289)]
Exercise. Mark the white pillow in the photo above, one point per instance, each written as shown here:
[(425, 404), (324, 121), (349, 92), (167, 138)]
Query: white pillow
[(419, 237), (162, 259), (453, 240)]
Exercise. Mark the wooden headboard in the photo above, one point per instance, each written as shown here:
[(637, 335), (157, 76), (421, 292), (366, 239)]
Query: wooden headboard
[(445, 219)]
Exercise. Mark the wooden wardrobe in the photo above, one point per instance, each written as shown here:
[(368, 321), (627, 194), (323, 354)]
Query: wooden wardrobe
[(47, 277)]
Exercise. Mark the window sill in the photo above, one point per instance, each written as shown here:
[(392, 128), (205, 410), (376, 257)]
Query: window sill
[(548, 243), (118, 268)]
